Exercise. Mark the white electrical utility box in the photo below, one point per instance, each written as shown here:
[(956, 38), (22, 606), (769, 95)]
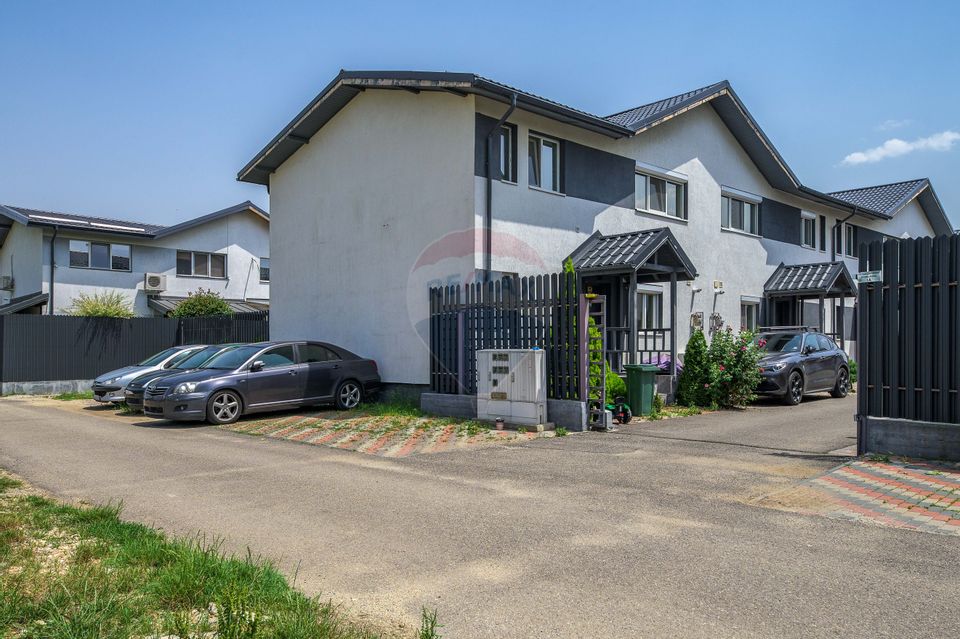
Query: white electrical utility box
[(512, 385)]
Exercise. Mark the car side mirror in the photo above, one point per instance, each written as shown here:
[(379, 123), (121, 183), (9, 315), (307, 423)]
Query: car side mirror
[(256, 366), (808, 349)]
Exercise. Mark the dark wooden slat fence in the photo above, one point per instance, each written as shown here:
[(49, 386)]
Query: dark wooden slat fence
[(538, 311), (63, 347), (909, 330)]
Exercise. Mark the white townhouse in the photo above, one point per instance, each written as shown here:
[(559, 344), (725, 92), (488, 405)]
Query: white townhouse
[(390, 181), (48, 258)]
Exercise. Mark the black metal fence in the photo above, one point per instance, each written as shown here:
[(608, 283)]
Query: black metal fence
[(909, 330), (539, 311), (64, 347)]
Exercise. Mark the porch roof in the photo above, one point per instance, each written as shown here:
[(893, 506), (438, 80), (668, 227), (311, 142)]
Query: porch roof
[(165, 304), (829, 279), (654, 254), (23, 302)]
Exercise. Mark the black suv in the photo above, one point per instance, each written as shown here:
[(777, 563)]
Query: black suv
[(798, 361)]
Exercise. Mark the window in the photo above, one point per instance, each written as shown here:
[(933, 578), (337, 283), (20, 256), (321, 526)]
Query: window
[(823, 233), (749, 316), (544, 168), (649, 310), (264, 269), (506, 153), (99, 255), (739, 215), (277, 357), (850, 245), (659, 195), (314, 353), (808, 230), (825, 343), (195, 264)]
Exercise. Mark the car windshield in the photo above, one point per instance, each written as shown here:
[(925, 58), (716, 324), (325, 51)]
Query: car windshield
[(780, 342), (198, 357), (232, 358), (159, 357)]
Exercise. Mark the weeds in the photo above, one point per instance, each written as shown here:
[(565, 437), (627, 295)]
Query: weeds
[(428, 625), (66, 397), (560, 431), (880, 458), (521, 430), (116, 579), (401, 407)]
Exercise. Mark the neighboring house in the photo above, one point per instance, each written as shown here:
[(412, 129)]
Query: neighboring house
[(380, 187), (154, 266)]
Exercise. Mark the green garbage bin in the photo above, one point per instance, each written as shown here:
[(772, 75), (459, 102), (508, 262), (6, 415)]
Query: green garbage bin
[(641, 385)]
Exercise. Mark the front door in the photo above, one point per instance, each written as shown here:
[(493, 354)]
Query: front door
[(280, 381)]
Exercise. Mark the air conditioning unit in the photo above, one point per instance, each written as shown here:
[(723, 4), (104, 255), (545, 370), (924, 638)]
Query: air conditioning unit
[(154, 283), (512, 385), (6, 282)]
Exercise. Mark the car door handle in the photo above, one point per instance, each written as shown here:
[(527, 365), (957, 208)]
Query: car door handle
[(291, 372), (336, 365)]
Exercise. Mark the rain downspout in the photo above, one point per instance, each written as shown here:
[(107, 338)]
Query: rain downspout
[(488, 214), (53, 266)]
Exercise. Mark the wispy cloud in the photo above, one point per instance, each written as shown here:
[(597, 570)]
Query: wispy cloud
[(894, 147), (890, 125)]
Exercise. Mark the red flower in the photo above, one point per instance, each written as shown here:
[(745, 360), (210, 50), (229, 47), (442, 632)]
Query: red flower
[(722, 368)]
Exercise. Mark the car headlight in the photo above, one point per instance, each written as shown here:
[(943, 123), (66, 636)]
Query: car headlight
[(112, 380), (186, 387), (776, 367)]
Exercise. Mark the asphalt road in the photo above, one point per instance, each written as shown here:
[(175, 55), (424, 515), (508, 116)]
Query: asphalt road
[(649, 532)]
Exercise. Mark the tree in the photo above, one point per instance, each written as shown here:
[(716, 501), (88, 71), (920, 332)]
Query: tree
[(694, 385), (102, 304), (202, 303)]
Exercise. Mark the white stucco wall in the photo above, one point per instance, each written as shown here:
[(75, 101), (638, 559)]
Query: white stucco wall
[(243, 237), (21, 257), (352, 212)]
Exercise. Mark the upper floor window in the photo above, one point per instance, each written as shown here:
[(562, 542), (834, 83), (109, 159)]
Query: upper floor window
[(544, 159), (808, 230), (99, 255), (850, 240), (264, 269), (659, 195), (739, 215), (196, 264), (506, 159)]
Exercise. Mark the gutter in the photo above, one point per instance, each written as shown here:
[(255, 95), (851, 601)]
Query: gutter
[(53, 266), (488, 213), (833, 239)]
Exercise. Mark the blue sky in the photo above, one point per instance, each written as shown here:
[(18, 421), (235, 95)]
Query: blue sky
[(147, 110)]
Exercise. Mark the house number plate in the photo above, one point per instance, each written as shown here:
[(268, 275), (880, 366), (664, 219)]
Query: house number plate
[(498, 395)]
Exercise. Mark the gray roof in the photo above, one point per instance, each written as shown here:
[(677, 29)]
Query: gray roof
[(35, 217), (634, 251), (819, 278), (165, 304), (642, 116), (885, 199), (23, 302)]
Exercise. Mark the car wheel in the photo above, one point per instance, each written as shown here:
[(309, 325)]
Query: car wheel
[(224, 407), (842, 387), (794, 389), (349, 395)]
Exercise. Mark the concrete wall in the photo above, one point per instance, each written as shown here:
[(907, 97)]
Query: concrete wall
[(375, 208), (21, 256), (243, 237), (927, 440)]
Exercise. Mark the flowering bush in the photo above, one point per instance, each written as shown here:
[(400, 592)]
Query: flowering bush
[(694, 385), (735, 361)]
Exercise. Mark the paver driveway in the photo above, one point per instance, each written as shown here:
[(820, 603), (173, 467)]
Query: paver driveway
[(651, 531)]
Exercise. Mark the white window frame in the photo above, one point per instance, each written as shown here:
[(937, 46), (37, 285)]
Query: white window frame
[(642, 202), (647, 300), (808, 242), (538, 140), (505, 163), (193, 265), (755, 312), (849, 244), (260, 270), (110, 247), (729, 196)]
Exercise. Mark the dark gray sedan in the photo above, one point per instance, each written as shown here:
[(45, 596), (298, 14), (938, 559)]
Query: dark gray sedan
[(798, 362), (262, 377), (133, 393)]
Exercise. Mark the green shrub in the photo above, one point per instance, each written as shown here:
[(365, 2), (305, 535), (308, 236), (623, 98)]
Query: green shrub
[(735, 362), (616, 387), (102, 304), (202, 303), (693, 387), (853, 371)]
